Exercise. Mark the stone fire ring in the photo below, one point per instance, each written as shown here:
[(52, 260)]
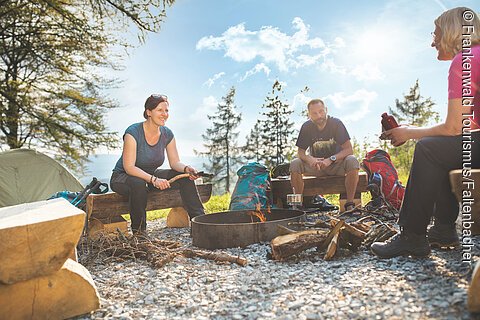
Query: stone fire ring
[(234, 228)]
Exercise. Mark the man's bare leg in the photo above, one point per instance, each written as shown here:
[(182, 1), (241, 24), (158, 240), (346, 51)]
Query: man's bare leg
[(351, 181), (296, 180)]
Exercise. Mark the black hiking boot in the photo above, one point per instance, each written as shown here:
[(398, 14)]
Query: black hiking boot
[(443, 236), (322, 204), (402, 244)]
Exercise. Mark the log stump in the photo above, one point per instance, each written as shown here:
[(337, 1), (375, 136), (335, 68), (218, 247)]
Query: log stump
[(178, 218), (63, 294), (37, 238)]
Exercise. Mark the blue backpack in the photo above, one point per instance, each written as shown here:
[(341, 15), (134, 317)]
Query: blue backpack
[(253, 187)]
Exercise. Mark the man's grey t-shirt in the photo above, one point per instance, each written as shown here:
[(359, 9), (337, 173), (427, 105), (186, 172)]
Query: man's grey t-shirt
[(149, 157), (323, 143)]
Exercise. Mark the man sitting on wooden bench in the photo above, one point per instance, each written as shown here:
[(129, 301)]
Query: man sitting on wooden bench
[(330, 151)]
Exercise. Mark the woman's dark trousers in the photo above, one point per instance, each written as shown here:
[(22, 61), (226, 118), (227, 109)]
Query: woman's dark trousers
[(428, 191), (136, 189)]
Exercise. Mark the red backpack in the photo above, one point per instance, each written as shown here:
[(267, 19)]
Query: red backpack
[(381, 172)]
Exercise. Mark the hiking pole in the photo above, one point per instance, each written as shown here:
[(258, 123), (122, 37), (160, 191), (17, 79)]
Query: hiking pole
[(89, 186), (85, 194)]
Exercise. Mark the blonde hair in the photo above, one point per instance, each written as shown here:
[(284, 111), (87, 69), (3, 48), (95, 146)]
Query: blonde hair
[(451, 24)]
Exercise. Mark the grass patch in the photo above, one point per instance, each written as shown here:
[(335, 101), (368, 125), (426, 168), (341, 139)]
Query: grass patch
[(335, 198), (215, 204), (218, 203)]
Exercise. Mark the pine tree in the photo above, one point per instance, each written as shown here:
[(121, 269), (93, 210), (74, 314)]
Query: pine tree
[(221, 142), (277, 129), (414, 110), (254, 142)]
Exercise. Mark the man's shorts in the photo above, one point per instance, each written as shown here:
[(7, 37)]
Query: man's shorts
[(338, 168)]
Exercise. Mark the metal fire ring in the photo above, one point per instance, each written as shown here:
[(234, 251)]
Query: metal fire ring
[(234, 228)]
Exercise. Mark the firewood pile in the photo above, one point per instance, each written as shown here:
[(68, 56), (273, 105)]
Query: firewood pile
[(330, 231), (156, 252)]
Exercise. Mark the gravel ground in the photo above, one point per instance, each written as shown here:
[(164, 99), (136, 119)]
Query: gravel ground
[(352, 286)]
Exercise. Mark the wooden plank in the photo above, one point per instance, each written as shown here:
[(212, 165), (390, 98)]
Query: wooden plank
[(105, 207), (37, 238), (68, 292), (318, 185)]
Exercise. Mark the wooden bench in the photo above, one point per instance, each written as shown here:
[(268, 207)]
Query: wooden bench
[(458, 187), (318, 185), (104, 211)]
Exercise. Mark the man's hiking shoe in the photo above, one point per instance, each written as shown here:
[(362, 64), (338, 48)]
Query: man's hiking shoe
[(402, 244), (349, 206), (443, 236), (322, 204)]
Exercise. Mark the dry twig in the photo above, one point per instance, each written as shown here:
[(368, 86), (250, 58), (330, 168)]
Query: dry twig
[(155, 251)]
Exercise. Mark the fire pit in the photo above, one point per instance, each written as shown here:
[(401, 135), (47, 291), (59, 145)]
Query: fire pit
[(236, 229)]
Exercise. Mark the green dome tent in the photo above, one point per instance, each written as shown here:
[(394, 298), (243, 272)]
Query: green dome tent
[(28, 175)]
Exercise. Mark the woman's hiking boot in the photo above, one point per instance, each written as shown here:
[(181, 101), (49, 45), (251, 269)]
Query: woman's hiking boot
[(443, 236), (402, 244)]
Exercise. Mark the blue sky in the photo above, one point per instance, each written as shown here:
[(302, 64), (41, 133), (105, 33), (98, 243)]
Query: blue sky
[(359, 56)]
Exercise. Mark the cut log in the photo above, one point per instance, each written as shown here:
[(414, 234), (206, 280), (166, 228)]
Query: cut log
[(337, 226), (66, 293), (357, 233), (37, 238), (332, 247), (291, 244), (474, 290), (178, 218)]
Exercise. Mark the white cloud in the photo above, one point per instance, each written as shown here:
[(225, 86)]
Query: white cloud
[(339, 43), (269, 44), (300, 101), (299, 50), (350, 108), (258, 68), (331, 66), (363, 72), (304, 60), (367, 71), (212, 80), (208, 107)]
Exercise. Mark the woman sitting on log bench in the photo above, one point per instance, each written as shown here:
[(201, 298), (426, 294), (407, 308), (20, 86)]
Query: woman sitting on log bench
[(440, 148), (136, 173)]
